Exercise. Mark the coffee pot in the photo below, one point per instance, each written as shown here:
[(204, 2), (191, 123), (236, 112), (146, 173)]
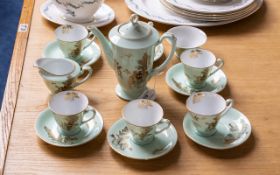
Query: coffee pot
[(130, 52)]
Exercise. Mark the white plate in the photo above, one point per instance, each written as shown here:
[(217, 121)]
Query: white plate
[(102, 17), (211, 16), (146, 8), (204, 7)]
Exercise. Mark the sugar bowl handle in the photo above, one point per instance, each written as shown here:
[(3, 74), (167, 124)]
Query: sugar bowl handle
[(172, 40)]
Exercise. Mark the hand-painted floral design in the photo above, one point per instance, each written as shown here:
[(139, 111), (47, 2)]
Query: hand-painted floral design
[(236, 131), (60, 138), (121, 139), (145, 103), (71, 96), (197, 97)]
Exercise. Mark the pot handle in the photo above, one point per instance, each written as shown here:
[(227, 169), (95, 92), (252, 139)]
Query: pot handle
[(89, 73), (172, 40)]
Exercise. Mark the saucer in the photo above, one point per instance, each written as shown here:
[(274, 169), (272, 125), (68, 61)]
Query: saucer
[(233, 129), (177, 81), (102, 17), (119, 139), (47, 129), (88, 57), (158, 52)]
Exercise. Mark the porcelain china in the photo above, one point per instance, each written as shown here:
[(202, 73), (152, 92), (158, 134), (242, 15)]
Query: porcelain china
[(69, 109), (161, 14), (102, 17), (58, 83), (119, 139), (131, 51), (58, 67), (177, 81), (205, 7), (206, 109), (88, 56), (47, 130), (72, 40), (215, 17), (232, 130), (188, 37), (199, 65), (144, 120), (78, 10)]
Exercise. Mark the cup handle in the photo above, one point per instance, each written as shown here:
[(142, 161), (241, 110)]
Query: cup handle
[(89, 73), (91, 37), (162, 122), (229, 104), (92, 110), (219, 63), (172, 40)]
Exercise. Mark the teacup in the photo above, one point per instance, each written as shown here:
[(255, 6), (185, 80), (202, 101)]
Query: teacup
[(80, 11), (188, 37), (57, 83), (73, 39), (206, 109), (69, 109), (144, 120), (200, 64)]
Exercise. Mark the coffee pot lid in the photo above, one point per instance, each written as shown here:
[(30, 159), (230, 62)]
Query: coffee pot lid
[(134, 34), (135, 29)]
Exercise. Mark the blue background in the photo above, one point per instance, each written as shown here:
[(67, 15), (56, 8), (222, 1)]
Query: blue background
[(9, 17)]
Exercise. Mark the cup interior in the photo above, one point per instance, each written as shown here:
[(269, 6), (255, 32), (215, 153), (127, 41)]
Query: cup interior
[(68, 103), (188, 37), (58, 66), (206, 103), (71, 33), (198, 58), (142, 112)]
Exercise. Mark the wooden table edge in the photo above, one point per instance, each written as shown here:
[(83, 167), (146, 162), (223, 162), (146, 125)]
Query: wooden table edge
[(14, 77)]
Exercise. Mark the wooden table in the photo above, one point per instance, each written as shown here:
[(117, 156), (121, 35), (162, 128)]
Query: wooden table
[(251, 50)]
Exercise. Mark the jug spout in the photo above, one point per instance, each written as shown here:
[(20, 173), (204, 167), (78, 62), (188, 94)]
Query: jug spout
[(106, 45)]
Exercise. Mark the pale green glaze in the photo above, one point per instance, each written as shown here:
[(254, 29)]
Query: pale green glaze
[(177, 81), (47, 129), (61, 83), (232, 130), (88, 57), (119, 138), (131, 56)]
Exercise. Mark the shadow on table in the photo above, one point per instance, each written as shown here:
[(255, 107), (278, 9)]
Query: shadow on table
[(160, 163), (237, 152), (86, 150)]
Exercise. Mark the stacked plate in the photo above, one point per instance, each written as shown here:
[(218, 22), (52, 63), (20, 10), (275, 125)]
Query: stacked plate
[(209, 10), (194, 12)]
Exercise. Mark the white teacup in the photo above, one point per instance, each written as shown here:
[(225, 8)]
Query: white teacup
[(69, 109), (206, 109), (188, 37), (80, 11), (144, 119), (72, 40), (199, 64)]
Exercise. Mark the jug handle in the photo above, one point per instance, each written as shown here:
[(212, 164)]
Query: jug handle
[(172, 40), (89, 73)]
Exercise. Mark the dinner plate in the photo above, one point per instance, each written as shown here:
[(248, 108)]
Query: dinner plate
[(146, 9), (212, 17), (206, 7)]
